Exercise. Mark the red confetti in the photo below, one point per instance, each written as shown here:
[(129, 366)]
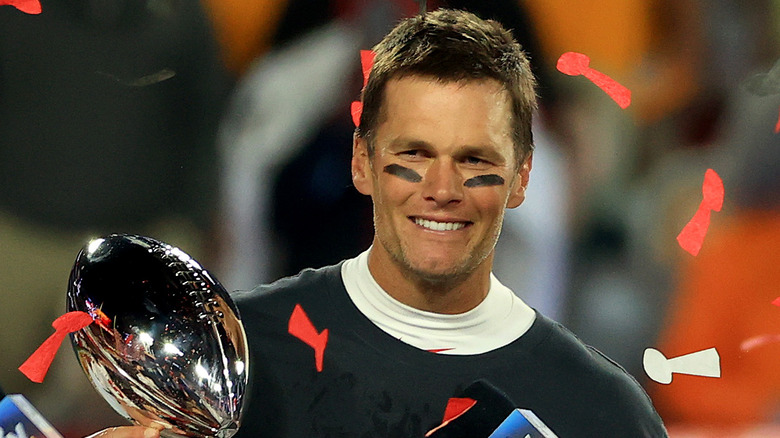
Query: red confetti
[(455, 408), (776, 302), (302, 328), (366, 62), (37, 365), (26, 6), (357, 110), (777, 127), (439, 350), (575, 64), (692, 235)]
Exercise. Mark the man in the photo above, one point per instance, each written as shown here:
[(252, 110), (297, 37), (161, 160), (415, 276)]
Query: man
[(378, 345)]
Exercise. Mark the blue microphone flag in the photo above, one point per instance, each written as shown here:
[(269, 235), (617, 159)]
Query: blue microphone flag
[(19, 419), (522, 423)]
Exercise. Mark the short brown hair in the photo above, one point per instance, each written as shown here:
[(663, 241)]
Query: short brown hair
[(452, 45)]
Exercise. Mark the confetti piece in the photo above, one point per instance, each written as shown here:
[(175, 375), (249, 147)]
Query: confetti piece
[(757, 341), (302, 328), (765, 84), (575, 64), (438, 350), (704, 363), (356, 110), (366, 63), (455, 408), (692, 235), (27, 6), (776, 302), (143, 81), (37, 365)]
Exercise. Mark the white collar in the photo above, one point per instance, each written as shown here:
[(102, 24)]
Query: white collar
[(499, 319)]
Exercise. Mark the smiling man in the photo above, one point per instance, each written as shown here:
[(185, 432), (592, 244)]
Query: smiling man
[(381, 345), (416, 329)]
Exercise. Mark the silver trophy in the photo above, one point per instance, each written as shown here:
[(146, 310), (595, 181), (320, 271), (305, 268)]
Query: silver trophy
[(166, 348)]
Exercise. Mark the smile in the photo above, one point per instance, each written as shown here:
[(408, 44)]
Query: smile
[(439, 226)]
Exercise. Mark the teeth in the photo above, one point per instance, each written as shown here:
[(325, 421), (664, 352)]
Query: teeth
[(439, 226)]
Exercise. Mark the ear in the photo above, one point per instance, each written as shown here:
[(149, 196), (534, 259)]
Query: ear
[(517, 194), (361, 166)]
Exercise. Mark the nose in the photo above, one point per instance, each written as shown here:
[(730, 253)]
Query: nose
[(443, 183)]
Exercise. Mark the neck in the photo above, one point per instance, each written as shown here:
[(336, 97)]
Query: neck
[(452, 294)]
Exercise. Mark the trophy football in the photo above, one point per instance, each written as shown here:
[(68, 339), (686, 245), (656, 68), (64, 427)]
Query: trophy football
[(166, 347)]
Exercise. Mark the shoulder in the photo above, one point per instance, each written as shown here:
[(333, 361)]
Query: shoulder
[(561, 346), (303, 280), (555, 343), (310, 287), (595, 384)]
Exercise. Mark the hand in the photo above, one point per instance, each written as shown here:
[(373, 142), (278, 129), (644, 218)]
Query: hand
[(127, 432)]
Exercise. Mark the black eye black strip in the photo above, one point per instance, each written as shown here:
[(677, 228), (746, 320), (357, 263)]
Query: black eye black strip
[(403, 172), (484, 180)]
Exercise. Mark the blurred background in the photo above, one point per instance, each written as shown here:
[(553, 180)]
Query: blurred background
[(223, 127)]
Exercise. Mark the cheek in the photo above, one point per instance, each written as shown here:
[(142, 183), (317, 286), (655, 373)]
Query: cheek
[(391, 195), (490, 201), (394, 189)]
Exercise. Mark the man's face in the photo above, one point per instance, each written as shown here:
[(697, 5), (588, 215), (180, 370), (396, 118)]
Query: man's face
[(443, 171)]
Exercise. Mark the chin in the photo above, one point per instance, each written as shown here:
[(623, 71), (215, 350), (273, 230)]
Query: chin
[(440, 271)]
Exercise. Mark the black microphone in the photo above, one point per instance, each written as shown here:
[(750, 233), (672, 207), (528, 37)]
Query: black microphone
[(492, 415)]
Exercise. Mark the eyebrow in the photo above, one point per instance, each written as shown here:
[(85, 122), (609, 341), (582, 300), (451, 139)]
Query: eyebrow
[(487, 152), (401, 143)]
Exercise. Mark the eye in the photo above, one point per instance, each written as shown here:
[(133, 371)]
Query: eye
[(474, 161), (413, 154)]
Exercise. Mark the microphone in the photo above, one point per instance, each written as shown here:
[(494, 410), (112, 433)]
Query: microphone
[(486, 412), (18, 418)]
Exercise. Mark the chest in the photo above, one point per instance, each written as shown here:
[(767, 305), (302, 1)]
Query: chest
[(363, 389)]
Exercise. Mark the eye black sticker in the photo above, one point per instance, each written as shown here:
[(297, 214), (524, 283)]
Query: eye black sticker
[(484, 180), (403, 172)]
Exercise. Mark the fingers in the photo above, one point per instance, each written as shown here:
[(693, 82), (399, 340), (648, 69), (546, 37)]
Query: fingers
[(127, 432)]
